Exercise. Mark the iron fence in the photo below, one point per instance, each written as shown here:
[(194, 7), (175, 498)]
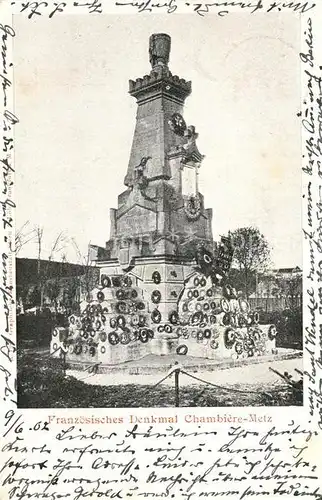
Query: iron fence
[(270, 304)]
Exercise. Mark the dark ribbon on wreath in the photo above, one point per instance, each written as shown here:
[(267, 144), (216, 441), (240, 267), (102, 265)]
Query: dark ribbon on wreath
[(205, 260), (208, 265), (215, 264)]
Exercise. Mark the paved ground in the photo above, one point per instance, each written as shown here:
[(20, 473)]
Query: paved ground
[(249, 375)]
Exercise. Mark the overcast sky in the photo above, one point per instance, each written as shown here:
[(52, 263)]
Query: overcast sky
[(77, 120)]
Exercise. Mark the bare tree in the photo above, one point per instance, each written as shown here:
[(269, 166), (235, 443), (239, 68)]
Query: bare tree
[(88, 278), (58, 245), (39, 231), (24, 235), (50, 274), (43, 266), (52, 290)]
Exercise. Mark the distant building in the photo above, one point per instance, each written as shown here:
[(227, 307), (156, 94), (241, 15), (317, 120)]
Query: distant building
[(278, 289), (288, 272)]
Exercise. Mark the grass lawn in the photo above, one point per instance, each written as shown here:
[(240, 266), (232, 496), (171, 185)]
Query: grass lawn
[(41, 384)]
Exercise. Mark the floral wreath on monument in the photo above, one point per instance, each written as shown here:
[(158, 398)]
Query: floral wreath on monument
[(192, 206)]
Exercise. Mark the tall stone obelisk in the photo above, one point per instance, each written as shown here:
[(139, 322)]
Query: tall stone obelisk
[(161, 207)]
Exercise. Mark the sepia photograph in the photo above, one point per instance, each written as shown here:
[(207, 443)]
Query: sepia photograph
[(158, 222)]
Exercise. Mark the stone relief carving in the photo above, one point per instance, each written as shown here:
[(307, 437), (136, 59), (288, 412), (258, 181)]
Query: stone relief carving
[(177, 124)]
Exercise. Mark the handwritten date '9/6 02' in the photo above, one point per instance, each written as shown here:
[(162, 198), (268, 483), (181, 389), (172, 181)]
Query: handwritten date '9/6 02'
[(156, 461)]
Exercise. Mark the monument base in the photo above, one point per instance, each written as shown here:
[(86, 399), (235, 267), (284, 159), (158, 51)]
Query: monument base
[(153, 364), (162, 306)]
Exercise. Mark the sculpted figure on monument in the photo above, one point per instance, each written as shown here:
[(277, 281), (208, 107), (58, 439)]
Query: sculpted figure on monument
[(139, 178), (159, 49), (139, 169), (191, 136)]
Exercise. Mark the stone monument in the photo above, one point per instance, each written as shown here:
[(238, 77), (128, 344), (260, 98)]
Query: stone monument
[(163, 283)]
